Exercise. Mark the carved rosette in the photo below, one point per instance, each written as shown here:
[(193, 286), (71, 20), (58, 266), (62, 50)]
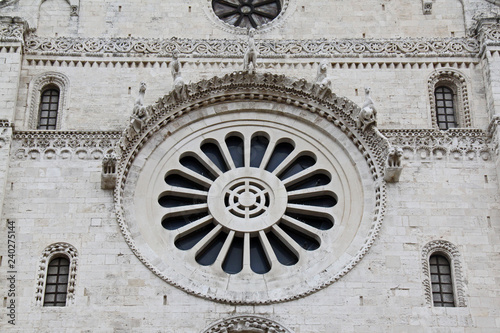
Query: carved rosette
[(200, 100)]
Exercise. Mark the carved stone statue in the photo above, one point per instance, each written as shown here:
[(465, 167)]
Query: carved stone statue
[(108, 173), (394, 157), (250, 58), (368, 115), (322, 78), (393, 167), (175, 68), (139, 113)]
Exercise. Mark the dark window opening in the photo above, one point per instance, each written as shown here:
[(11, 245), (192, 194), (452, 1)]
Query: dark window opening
[(214, 154), (318, 222), (49, 106), (193, 164), (306, 242), (281, 151), (235, 146), (445, 108), (233, 263), (56, 286), (258, 259), (318, 179), (258, 149), (441, 281), (284, 255), (180, 181), (211, 251), (191, 239), (301, 163), (176, 222), (319, 201), (170, 201)]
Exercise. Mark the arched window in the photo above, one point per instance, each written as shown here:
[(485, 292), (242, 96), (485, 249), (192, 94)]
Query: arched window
[(441, 281), (445, 107), (56, 286), (57, 275), (449, 99), (47, 101), (49, 107)]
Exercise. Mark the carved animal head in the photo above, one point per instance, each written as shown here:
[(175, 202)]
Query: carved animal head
[(367, 91), (142, 88)]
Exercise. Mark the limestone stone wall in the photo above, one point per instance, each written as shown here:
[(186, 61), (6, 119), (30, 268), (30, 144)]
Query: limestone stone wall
[(108, 90)]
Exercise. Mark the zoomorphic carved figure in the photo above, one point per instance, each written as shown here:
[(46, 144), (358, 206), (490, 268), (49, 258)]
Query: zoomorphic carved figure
[(322, 76), (368, 115), (250, 58)]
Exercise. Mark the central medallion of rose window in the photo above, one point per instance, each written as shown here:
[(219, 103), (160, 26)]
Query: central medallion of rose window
[(247, 198)]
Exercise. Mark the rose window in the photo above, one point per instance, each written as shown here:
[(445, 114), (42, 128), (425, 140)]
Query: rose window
[(242, 198), (246, 13), (242, 205)]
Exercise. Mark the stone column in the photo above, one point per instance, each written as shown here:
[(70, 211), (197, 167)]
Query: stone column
[(489, 34), (11, 51)]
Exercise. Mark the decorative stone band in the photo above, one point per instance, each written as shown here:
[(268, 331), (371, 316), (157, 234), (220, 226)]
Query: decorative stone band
[(246, 323), (12, 29), (51, 251), (433, 144), (51, 145), (451, 252), (410, 47), (494, 134)]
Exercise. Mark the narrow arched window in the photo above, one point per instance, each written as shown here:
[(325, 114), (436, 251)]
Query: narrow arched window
[(56, 286), (49, 107), (441, 281), (445, 108)]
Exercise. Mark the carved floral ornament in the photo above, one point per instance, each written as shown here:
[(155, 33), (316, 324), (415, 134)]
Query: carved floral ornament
[(261, 111)]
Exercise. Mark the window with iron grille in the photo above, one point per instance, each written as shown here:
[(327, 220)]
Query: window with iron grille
[(445, 108), (49, 106), (56, 287), (441, 281)]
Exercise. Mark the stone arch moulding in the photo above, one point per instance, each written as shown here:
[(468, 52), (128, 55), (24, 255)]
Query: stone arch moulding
[(453, 255), (457, 82), (73, 4), (246, 323), (50, 252), (250, 104), (35, 89)]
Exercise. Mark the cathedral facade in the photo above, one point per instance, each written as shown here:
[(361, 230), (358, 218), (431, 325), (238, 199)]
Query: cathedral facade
[(250, 166)]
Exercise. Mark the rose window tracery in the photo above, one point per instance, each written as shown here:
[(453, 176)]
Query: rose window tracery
[(253, 198), (246, 13)]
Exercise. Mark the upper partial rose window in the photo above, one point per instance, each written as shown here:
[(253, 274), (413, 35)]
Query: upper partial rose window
[(247, 13)]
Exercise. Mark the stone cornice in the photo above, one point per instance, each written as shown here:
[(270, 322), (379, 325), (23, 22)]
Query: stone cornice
[(433, 144), (52, 145), (401, 47)]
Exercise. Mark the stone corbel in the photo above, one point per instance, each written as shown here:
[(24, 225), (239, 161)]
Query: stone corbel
[(427, 7), (108, 175), (393, 167)]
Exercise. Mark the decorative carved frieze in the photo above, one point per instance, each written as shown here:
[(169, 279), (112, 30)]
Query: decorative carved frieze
[(445, 47), (48, 145), (12, 29), (246, 324), (432, 144)]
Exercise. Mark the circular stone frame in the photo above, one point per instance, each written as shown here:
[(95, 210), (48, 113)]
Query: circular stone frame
[(243, 100), (287, 8)]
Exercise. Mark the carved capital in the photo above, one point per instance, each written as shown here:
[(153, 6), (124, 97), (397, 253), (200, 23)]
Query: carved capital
[(12, 29)]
